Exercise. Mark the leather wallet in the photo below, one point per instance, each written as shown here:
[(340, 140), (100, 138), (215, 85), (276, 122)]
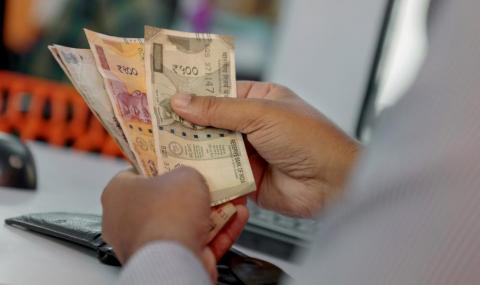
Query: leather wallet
[(85, 229)]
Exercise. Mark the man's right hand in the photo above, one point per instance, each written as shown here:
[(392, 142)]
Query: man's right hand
[(299, 158)]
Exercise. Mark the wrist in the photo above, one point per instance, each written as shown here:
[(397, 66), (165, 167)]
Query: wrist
[(156, 232), (166, 261)]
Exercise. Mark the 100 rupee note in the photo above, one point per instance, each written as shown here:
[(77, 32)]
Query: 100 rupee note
[(79, 66), (202, 64), (120, 62)]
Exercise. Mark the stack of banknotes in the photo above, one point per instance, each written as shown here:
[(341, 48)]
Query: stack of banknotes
[(128, 83)]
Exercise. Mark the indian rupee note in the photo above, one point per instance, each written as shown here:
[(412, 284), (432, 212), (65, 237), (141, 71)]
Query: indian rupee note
[(56, 55), (202, 64), (79, 66), (218, 219), (120, 62)]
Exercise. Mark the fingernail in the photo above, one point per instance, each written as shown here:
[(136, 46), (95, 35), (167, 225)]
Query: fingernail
[(181, 100)]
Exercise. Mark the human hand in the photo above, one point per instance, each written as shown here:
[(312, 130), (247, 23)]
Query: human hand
[(299, 158), (173, 207)]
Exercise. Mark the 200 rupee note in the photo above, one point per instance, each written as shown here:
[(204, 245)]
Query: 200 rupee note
[(202, 64), (79, 66), (120, 62)]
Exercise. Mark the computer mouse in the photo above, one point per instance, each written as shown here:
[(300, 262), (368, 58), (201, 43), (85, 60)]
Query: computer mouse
[(17, 167)]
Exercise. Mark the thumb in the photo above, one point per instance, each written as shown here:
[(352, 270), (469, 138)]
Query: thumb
[(242, 115)]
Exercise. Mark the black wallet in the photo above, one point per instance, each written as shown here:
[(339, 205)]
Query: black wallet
[(85, 230)]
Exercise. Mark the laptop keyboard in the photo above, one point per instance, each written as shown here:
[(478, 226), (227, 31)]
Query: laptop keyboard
[(296, 231)]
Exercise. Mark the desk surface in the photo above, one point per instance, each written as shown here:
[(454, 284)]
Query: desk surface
[(67, 181)]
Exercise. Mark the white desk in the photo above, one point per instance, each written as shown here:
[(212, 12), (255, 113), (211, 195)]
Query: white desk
[(68, 181)]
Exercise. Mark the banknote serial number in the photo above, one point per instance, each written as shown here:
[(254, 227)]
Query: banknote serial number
[(127, 70), (185, 69)]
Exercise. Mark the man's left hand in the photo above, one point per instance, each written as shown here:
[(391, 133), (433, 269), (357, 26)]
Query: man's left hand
[(172, 207)]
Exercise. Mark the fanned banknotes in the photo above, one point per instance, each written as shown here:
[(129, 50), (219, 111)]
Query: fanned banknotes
[(79, 66), (128, 85), (204, 65)]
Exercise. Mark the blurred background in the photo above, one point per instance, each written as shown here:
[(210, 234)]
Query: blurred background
[(30, 25), (350, 59), (324, 50)]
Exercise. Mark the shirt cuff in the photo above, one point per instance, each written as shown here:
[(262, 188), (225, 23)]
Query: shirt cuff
[(164, 262)]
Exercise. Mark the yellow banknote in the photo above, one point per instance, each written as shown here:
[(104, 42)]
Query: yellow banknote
[(202, 64), (120, 61)]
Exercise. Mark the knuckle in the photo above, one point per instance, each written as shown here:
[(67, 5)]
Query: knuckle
[(285, 92), (276, 86), (116, 183), (192, 179), (189, 174), (186, 171), (260, 109), (270, 86), (210, 105)]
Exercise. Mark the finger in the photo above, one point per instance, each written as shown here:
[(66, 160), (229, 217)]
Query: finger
[(243, 115), (119, 179), (240, 201), (259, 166), (191, 178), (254, 89), (209, 261), (257, 163), (243, 88), (229, 234), (125, 175)]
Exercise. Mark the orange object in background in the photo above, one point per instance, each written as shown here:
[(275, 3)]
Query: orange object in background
[(39, 109), (21, 31)]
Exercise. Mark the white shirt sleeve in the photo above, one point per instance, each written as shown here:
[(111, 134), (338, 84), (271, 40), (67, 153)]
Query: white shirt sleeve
[(164, 262), (412, 211)]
